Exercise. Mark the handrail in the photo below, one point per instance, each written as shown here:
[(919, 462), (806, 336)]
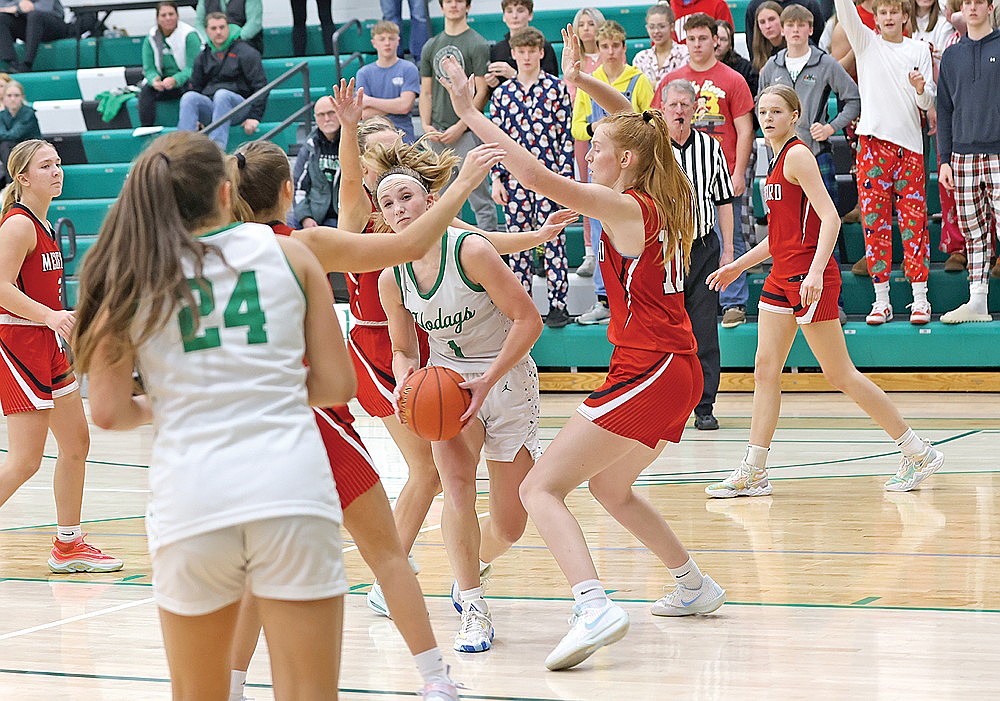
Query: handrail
[(288, 120), (335, 42), (299, 68), (67, 223)]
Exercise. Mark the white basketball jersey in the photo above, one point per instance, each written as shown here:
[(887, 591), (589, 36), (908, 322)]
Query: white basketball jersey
[(465, 329), (235, 439)]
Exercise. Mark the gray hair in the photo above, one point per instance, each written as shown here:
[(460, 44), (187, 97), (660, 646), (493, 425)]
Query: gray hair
[(594, 13), (682, 86)]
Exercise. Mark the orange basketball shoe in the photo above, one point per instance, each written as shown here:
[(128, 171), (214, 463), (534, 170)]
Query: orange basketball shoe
[(78, 556)]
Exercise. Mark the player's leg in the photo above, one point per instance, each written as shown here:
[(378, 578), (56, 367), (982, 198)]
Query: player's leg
[(422, 481), (197, 650), (304, 641), (26, 433), (505, 524)]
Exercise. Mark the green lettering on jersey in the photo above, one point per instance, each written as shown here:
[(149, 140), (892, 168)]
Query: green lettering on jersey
[(209, 337), (243, 309), (456, 348)]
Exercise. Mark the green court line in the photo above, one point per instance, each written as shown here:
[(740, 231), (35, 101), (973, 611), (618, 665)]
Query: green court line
[(53, 525), (92, 462), (669, 482), (867, 600), (131, 577)]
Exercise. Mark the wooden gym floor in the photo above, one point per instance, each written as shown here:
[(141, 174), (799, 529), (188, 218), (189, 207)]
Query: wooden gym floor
[(836, 588)]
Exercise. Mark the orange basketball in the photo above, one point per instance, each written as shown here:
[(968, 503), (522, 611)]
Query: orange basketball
[(431, 403)]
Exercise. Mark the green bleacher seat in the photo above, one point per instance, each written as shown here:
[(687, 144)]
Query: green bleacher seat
[(114, 145), (83, 244), (72, 292), (51, 85), (121, 51), (322, 71), (86, 215), (93, 181)]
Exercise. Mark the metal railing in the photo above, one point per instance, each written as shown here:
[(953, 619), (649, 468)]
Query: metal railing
[(66, 223), (341, 63)]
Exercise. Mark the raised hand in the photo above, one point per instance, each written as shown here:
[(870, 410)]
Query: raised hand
[(555, 223), (571, 54), (478, 162), (461, 87), (348, 103)]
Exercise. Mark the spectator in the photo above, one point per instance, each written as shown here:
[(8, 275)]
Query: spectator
[(392, 11), (317, 170), (819, 18), (969, 147), (534, 108), (436, 113), (633, 84), (4, 79), (890, 161), (517, 14), (168, 57), (701, 158), (17, 123), (723, 111), (665, 54), (725, 52), (326, 26), (226, 72), (767, 37), (391, 85), (684, 8), (245, 17), (33, 23), (931, 26)]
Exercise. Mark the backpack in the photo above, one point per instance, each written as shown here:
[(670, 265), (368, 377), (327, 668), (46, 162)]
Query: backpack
[(597, 113)]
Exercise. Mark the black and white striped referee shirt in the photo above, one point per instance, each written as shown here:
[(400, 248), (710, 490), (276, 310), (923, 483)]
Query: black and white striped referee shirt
[(702, 160)]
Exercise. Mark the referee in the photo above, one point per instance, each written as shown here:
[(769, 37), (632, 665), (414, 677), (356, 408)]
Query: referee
[(701, 158)]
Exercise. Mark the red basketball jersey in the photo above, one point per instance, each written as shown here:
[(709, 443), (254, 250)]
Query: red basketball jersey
[(645, 297), (362, 289), (41, 273), (792, 224)]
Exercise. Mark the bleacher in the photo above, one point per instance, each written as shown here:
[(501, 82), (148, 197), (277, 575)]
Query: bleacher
[(97, 155)]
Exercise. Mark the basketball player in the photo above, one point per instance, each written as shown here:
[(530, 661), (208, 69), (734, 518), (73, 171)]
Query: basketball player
[(801, 292), (645, 202), (481, 323), (263, 182), (38, 390), (219, 316)]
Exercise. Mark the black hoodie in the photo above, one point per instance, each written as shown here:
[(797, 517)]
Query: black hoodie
[(968, 98)]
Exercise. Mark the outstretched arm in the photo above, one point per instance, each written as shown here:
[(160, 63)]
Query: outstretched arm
[(514, 242), (402, 333), (355, 208)]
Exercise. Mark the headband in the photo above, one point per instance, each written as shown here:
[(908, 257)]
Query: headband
[(396, 177)]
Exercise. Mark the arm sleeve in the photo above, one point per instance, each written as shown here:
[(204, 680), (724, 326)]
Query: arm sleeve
[(426, 60), (479, 58), (256, 78), (199, 20), (847, 92), (300, 177), (858, 34), (411, 79), (945, 111), (741, 101), (23, 126), (192, 47), (149, 61), (198, 73), (550, 64), (723, 12), (722, 185), (48, 6), (926, 68), (254, 19), (767, 76)]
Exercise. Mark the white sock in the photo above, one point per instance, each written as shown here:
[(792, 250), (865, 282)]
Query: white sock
[(910, 444), (756, 456), (483, 565), (474, 595), (590, 592), (919, 292), (977, 297), (687, 575), (882, 292), (67, 534), (430, 664), (237, 683)]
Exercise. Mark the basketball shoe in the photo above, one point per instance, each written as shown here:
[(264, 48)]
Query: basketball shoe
[(476, 632), (914, 470), (376, 601), (591, 628), (78, 556), (456, 597), (688, 602), (440, 690), (745, 481)]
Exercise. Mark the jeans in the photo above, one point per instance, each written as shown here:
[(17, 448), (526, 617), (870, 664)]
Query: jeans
[(392, 10), (737, 294), (596, 229), (197, 108)]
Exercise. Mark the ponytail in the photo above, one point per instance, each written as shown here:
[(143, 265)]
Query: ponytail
[(258, 170)]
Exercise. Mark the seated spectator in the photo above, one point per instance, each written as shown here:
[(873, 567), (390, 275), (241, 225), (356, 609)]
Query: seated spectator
[(819, 18), (726, 54), (767, 37), (168, 57), (317, 170), (717, 9), (33, 23), (665, 55), (226, 72), (390, 84), (246, 19), (517, 14), (17, 123)]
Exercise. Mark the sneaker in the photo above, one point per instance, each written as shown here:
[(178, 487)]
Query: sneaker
[(963, 314), (860, 268), (914, 470), (476, 631), (597, 314), (880, 313), (557, 318), (745, 481), (708, 422), (440, 690), (688, 602), (586, 268), (456, 596), (956, 263), (733, 317), (842, 316), (852, 217), (920, 313), (376, 601), (591, 628), (78, 556)]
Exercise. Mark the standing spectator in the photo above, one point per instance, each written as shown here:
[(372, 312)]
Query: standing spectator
[(226, 72), (701, 158), (725, 52), (392, 11), (391, 85), (631, 83), (718, 9), (534, 108), (246, 18), (890, 161), (326, 26), (969, 146), (767, 37), (665, 54), (32, 22), (17, 123), (168, 57), (317, 170), (723, 111), (436, 113), (819, 18), (517, 14)]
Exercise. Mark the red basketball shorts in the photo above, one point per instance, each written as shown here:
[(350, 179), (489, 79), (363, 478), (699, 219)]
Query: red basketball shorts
[(353, 469), (781, 296), (648, 395), (34, 370), (371, 351)]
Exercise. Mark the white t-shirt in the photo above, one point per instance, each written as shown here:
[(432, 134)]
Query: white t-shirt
[(795, 65)]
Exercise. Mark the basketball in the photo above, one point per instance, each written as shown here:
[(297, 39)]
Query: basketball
[(431, 403)]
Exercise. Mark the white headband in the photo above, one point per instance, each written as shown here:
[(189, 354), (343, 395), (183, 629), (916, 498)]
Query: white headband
[(394, 178)]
